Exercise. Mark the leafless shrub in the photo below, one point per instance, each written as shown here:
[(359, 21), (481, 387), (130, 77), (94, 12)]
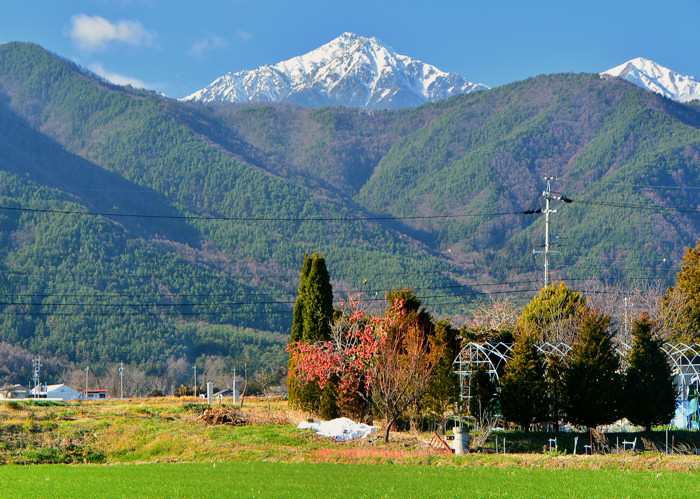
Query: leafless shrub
[(498, 314), (487, 422), (624, 304), (649, 445), (600, 441)]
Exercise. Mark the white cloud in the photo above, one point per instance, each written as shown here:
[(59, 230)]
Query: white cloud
[(244, 35), (117, 78), (95, 32), (211, 42)]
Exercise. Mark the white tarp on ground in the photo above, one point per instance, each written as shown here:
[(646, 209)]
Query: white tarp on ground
[(340, 429)]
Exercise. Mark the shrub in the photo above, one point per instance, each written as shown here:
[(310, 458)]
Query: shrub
[(13, 405)]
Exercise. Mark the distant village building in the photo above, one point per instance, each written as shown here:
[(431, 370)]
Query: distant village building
[(55, 392), (9, 392), (97, 394)]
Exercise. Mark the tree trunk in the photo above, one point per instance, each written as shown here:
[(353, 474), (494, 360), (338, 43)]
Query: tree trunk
[(388, 427)]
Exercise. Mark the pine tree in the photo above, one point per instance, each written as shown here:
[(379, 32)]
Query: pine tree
[(556, 387), (482, 393), (523, 384), (444, 384), (650, 397), (592, 382)]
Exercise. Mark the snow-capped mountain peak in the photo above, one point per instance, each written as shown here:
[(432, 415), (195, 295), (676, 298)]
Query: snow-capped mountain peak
[(655, 77), (350, 70)]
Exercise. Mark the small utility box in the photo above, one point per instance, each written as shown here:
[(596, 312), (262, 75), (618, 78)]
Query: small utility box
[(210, 393), (461, 441)]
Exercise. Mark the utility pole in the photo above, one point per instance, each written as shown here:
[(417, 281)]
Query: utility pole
[(234, 386), (36, 365), (549, 196), (627, 316), (87, 370), (194, 368), (121, 380)]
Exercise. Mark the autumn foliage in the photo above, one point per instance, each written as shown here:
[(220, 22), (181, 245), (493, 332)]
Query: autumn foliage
[(387, 358)]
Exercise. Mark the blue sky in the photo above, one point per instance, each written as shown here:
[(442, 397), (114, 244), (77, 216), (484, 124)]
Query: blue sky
[(178, 47)]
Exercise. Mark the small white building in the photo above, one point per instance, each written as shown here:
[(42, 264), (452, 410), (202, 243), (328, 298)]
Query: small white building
[(56, 392)]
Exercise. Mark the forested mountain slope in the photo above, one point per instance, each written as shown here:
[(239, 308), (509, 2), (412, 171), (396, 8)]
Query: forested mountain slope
[(135, 228), (180, 235), (607, 142)]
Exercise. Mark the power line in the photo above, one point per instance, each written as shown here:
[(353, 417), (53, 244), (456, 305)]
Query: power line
[(236, 313), (264, 219), (638, 206), (641, 186)]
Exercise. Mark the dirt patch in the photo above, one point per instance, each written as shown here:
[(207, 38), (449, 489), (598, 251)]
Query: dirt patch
[(223, 416), (231, 416), (263, 418)]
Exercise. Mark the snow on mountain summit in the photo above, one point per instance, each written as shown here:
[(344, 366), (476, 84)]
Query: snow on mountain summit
[(351, 71), (652, 76)]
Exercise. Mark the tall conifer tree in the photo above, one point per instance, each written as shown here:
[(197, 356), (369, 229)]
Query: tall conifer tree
[(650, 397), (293, 391), (482, 392), (313, 312), (317, 311), (592, 381), (298, 318), (523, 384)]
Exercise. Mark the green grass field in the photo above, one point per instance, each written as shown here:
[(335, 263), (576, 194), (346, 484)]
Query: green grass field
[(162, 448), (266, 479)]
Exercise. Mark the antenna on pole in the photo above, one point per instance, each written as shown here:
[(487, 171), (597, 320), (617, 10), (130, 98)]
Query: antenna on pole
[(549, 196), (36, 364), (121, 380), (194, 368)]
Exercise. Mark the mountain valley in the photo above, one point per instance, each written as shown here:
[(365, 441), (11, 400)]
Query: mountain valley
[(139, 228)]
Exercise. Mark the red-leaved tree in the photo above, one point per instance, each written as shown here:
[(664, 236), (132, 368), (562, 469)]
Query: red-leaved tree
[(389, 359)]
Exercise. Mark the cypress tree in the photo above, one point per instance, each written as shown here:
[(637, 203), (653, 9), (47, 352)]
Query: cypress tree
[(650, 397), (328, 405), (313, 312), (317, 310), (592, 382), (293, 393), (298, 314), (523, 384)]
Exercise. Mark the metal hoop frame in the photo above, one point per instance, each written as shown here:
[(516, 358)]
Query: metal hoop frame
[(684, 359)]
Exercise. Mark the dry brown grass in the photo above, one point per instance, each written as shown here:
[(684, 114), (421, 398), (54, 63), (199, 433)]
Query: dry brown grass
[(363, 454)]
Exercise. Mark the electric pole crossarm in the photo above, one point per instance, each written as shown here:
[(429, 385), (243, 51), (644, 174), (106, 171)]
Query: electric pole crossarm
[(548, 196)]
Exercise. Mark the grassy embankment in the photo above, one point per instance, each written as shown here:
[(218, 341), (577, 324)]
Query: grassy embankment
[(172, 430)]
